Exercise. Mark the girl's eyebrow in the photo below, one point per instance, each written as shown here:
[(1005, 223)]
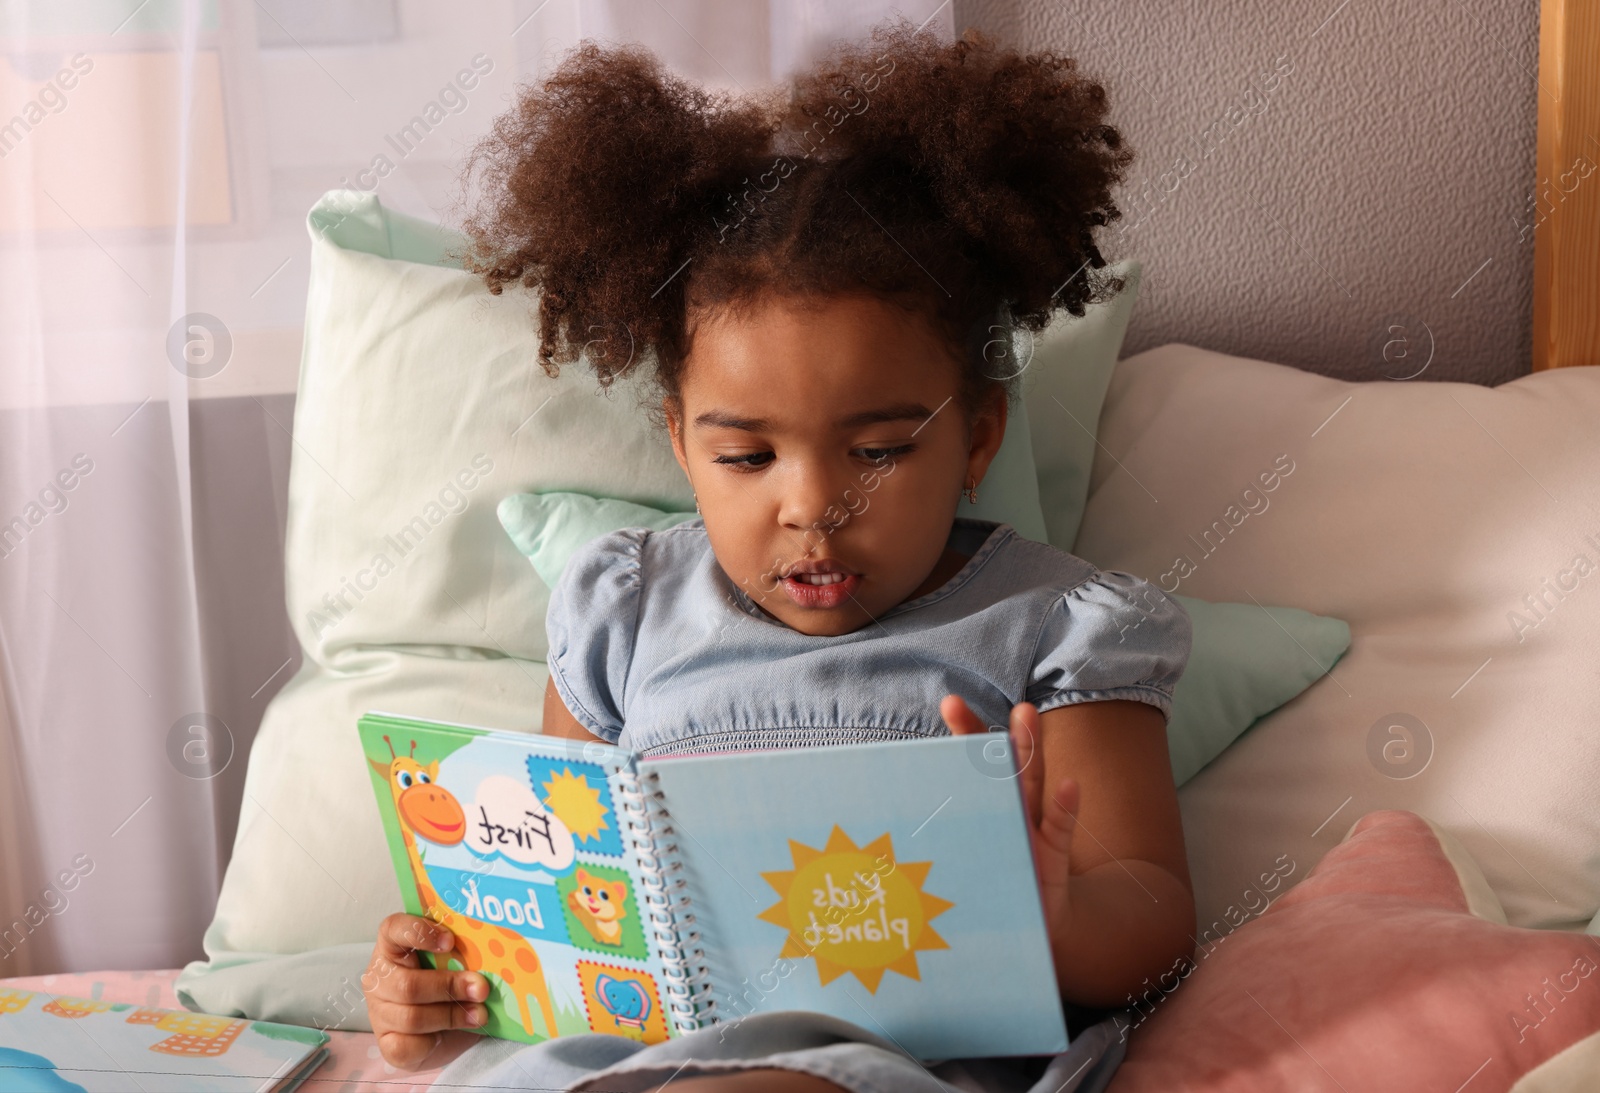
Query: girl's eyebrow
[(900, 411), (719, 419)]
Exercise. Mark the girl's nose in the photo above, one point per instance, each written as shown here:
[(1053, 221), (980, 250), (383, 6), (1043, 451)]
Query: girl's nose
[(812, 498)]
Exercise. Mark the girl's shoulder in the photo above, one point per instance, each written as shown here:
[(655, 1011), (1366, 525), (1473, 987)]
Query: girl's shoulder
[(1030, 564), (1087, 632), (608, 577), (595, 611), (1008, 565), (1101, 633), (635, 554), (1075, 586)]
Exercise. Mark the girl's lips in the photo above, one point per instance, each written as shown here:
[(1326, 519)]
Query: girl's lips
[(824, 596)]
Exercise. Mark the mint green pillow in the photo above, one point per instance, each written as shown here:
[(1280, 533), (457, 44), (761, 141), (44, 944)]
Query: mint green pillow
[(1010, 489), (1069, 367), (548, 528), (1240, 668)]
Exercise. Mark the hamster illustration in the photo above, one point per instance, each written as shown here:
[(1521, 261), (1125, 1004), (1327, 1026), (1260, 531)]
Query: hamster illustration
[(600, 905)]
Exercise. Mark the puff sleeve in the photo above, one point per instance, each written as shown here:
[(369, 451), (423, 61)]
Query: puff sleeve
[(591, 623), (1113, 636)]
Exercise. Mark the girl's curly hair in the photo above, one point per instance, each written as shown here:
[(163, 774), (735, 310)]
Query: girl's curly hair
[(958, 180)]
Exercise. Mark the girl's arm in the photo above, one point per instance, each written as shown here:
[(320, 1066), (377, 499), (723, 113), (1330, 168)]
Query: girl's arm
[(1131, 899), (558, 720), (1115, 880)]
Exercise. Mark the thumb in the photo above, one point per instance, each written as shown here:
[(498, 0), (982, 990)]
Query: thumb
[(958, 716), (1060, 818)]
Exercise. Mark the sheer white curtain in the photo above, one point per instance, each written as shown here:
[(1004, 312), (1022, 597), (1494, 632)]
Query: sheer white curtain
[(156, 162)]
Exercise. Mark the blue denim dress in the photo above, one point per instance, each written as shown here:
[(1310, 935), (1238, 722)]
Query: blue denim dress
[(652, 647)]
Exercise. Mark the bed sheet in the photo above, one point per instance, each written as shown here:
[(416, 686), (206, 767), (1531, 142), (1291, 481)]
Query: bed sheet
[(353, 1064)]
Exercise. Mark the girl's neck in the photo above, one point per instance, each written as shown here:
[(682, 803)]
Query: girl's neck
[(948, 565)]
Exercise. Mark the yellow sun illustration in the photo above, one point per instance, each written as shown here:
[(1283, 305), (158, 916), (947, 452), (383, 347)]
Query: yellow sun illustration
[(854, 909), (576, 803)]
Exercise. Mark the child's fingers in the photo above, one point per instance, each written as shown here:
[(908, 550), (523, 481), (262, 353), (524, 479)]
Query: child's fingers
[(410, 1005), (405, 1051), (958, 716), (401, 935), (1056, 827), (429, 1018), (421, 986), (1060, 818), (1030, 757)]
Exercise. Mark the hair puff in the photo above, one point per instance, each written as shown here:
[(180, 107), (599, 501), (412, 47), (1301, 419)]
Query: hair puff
[(959, 180)]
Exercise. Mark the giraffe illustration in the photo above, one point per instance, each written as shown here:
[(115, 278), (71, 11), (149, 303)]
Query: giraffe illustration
[(429, 811), (193, 1034)]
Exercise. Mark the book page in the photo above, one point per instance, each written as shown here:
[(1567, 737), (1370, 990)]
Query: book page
[(887, 884), (521, 845)]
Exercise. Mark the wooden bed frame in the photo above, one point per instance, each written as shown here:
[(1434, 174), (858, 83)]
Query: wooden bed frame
[(1566, 248)]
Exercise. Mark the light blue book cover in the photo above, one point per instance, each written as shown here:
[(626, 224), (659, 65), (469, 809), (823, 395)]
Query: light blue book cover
[(888, 884), (60, 1044)]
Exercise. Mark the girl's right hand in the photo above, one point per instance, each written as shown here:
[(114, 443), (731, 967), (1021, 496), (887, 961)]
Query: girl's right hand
[(411, 1004)]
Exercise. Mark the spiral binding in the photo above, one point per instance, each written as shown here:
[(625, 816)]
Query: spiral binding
[(665, 893)]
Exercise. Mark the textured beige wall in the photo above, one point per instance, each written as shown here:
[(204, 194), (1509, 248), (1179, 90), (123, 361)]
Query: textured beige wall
[(1337, 217)]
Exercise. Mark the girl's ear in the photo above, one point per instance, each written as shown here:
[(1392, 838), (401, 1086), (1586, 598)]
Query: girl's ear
[(675, 431), (988, 431)]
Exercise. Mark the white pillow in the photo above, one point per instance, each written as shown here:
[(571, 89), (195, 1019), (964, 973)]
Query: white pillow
[(420, 406), (1422, 514)]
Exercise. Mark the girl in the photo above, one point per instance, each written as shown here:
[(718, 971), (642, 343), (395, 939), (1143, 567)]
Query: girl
[(818, 280)]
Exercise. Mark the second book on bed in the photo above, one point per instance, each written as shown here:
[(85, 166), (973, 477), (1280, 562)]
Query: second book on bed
[(887, 884)]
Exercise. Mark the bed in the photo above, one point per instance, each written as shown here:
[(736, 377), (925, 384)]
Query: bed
[(1396, 909)]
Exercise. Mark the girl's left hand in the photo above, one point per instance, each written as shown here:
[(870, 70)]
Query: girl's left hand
[(1051, 820)]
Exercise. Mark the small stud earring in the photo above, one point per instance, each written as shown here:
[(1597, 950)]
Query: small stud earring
[(972, 491), (697, 502)]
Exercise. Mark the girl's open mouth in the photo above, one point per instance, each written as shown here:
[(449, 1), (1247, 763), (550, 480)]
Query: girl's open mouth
[(820, 589)]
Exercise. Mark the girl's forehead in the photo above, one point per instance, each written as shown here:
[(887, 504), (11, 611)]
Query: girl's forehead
[(831, 360)]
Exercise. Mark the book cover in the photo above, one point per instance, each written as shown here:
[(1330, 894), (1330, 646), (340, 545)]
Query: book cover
[(887, 884), (533, 851), (62, 1044)]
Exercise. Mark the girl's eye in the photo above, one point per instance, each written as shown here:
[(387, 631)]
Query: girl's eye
[(747, 461), (878, 455)]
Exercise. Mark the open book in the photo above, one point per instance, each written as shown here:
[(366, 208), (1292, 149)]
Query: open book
[(888, 884)]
